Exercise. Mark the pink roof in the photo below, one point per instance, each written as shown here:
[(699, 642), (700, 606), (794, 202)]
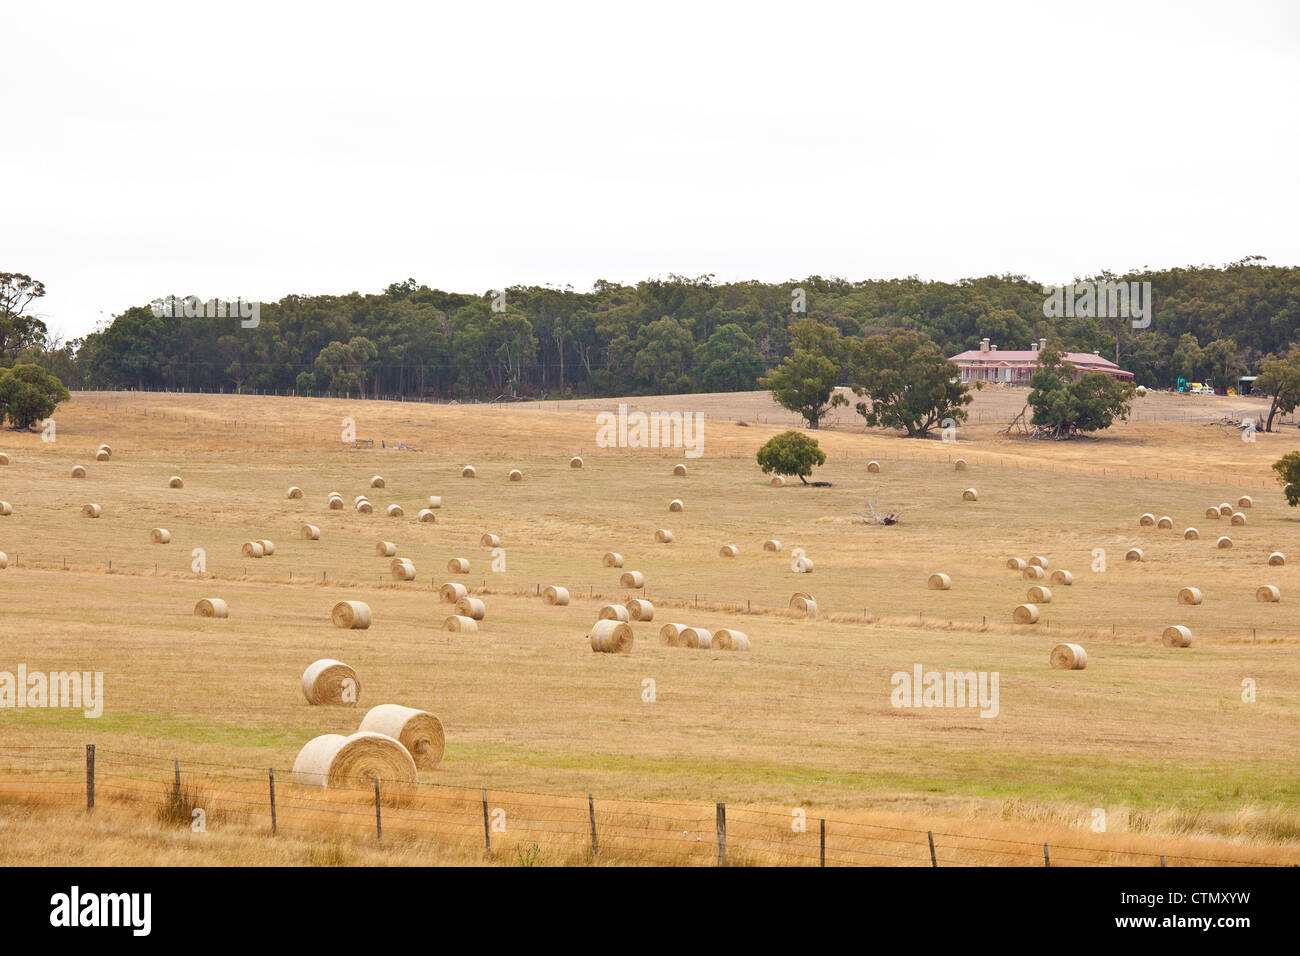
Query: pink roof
[(1084, 360)]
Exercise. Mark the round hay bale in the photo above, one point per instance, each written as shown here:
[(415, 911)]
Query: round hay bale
[(471, 607), (102, 455), (1165, 522), (351, 615), (729, 639), (679, 470), (556, 595), (4, 560), (324, 682), (1068, 657), (664, 536), (632, 579), (515, 475), (939, 582), (610, 636), (970, 494), (92, 511), (1190, 596), (1063, 577), (402, 569), (639, 609), (490, 541), (1191, 534), (1147, 520), (6, 509), (335, 503), (771, 544), (458, 565), (802, 565), (468, 472), (695, 637), (4, 459), (78, 471), (385, 549), (777, 481), (1223, 542), (451, 592), (669, 633), (1039, 561), (575, 462), (377, 482), (729, 551), (803, 601), (107, 448), (365, 507), (676, 505), (175, 482), (1245, 501), (211, 607), (798, 553), (1033, 573), (1225, 509), (426, 516), (293, 492), (395, 511), (1268, 594), (1025, 614), (252, 549), (1017, 564), (1133, 554), (960, 464), (435, 501), (333, 760), (267, 547), (873, 466), (1039, 594), (466, 625), (309, 532), (1176, 635), (1212, 513), (160, 536), (1238, 518), (613, 559), (419, 731), (1277, 559)]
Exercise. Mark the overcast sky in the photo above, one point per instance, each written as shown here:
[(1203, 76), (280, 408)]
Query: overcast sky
[(256, 149)]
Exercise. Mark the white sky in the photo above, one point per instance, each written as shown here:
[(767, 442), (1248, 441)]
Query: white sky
[(254, 150)]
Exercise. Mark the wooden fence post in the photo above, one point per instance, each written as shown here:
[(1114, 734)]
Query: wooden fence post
[(270, 772), (722, 834), (591, 812), (176, 787), (823, 854), (1047, 860), (487, 833), (379, 824), (90, 777), (933, 859)]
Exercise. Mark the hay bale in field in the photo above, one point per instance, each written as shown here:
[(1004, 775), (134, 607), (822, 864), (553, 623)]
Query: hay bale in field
[(4, 560), (695, 637), (1025, 614), (332, 760), (1017, 564), (1068, 657), (515, 475), (426, 516), (490, 541), (351, 615), (468, 472), (939, 582), (160, 536), (1268, 594), (664, 536), (395, 511), (471, 607), (175, 482), (328, 681), (632, 579), (252, 549), (669, 633), (1062, 576), (1277, 559), (293, 492), (268, 548), (728, 551), (385, 549), (1165, 522), (451, 592), (365, 507), (1039, 594), (1147, 520), (1033, 573), (1134, 554), (458, 566), (639, 609), (873, 466), (960, 464), (771, 544), (4, 459), (107, 448), (575, 462), (419, 731), (78, 471), (377, 482), (1245, 501), (970, 494), (360, 498), (1212, 513), (1238, 518), (458, 622), (1039, 561), (609, 636), (1191, 534), (556, 596), (679, 470), (803, 601), (309, 532), (1225, 509), (1223, 542), (435, 501), (729, 639), (676, 505), (802, 565), (92, 510), (777, 481), (211, 607), (102, 455), (335, 503), (6, 509), (1176, 635), (402, 569), (612, 559), (1190, 596)]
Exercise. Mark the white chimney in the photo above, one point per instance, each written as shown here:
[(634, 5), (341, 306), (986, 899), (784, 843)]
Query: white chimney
[(993, 348), (1042, 344), (1033, 347)]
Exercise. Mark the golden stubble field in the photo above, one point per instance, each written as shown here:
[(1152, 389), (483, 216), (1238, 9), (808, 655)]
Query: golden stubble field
[(1159, 738)]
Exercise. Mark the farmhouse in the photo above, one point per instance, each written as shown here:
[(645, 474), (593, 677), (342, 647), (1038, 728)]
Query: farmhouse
[(987, 364)]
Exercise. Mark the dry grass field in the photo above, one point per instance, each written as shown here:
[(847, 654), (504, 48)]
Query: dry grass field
[(1159, 738)]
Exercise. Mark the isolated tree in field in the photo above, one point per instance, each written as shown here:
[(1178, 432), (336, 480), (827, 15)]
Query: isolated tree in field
[(791, 453), (1288, 476), (1279, 377), (29, 394), (805, 382), (1064, 407), (907, 381), (18, 330)]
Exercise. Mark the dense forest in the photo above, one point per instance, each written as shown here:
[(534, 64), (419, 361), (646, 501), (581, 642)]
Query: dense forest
[(659, 336)]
